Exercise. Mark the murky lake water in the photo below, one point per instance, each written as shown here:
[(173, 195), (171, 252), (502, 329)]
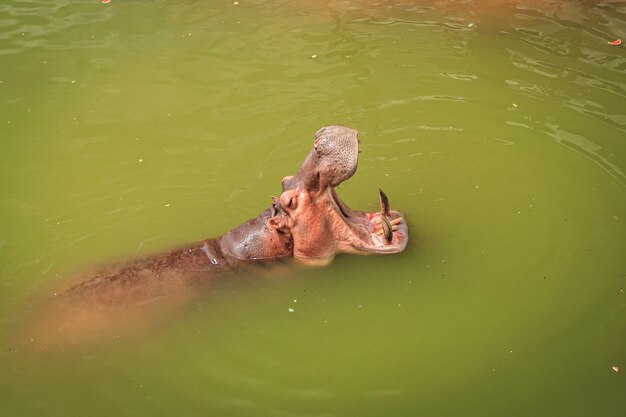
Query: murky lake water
[(131, 127)]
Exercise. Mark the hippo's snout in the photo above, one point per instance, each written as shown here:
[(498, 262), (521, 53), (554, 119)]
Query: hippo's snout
[(332, 160), (337, 149)]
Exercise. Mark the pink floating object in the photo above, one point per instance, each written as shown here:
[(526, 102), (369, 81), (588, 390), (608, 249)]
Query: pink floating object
[(615, 42), (106, 1)]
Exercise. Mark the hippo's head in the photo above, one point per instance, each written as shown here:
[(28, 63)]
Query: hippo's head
[(320, 223)]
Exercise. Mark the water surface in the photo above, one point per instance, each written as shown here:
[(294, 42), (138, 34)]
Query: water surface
[(135, 126)]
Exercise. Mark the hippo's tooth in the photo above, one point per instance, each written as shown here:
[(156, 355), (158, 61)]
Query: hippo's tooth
[(384, 203), (396, 221), (376, 220), (381, 231)]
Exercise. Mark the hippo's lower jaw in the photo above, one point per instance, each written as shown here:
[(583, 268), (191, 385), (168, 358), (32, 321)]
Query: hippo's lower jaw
[(366, 234)]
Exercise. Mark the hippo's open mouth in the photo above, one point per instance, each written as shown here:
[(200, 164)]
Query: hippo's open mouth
[(384, 231), (320, 222)]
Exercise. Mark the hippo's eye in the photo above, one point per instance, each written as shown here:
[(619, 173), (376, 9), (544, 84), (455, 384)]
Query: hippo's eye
[(289, 200)]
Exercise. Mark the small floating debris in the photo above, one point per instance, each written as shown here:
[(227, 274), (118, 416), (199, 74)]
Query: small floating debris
[(615, 368), (615, 42), (313, 56), (167, 205), (291, 310), (236, 3)]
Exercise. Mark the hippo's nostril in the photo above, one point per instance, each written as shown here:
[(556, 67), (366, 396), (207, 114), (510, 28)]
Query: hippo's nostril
[(318, 146)]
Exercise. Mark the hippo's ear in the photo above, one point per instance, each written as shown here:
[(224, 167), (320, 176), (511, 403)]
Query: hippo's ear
[(286, 182)]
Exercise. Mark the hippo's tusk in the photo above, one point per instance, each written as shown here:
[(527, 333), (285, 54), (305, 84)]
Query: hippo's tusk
[(384, 203), (387, 231), (387, 226)]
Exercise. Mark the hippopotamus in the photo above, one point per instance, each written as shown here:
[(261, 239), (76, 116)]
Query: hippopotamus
[(308, 224)]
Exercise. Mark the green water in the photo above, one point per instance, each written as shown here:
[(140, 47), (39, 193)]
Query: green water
[(131, 127)]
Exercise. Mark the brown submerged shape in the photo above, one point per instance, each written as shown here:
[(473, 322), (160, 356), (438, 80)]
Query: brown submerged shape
[(308, 223)]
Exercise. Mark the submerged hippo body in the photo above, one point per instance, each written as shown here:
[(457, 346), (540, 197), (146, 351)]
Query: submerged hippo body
[(308, 223), (254, 242)]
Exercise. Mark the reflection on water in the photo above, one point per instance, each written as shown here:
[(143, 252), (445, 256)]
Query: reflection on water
[(587, 148), (497, 127)]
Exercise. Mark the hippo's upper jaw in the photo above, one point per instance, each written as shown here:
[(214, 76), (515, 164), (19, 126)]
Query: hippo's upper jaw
[(320, 223)]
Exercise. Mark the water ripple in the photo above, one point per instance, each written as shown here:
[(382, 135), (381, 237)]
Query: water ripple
[(39, 24), (587, 148)]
